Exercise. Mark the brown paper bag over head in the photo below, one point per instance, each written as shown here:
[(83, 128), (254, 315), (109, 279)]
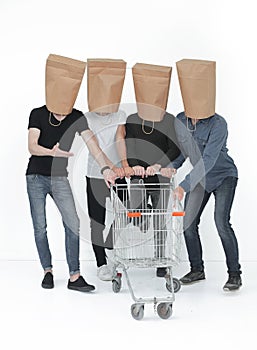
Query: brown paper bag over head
[(105, 79), (63, 79), (151, 84), (197, 79)]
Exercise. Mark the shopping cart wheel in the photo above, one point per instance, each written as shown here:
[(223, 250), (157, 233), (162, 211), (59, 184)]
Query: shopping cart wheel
[(176, 285), (116, 285), (169, 288), (137, 311), (164, 310)]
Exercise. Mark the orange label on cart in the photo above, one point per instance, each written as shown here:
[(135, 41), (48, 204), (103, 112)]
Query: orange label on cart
[(134, 215), (178, 213)]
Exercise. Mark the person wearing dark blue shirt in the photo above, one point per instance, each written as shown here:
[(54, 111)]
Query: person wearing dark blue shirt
[(202, 136)]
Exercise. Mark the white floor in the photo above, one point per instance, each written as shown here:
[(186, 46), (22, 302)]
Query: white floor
[(204, 317)]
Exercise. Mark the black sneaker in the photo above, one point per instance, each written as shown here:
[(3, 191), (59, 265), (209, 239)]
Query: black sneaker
[(161, 271), (234, 282), (192, 276), (48, 281), (80, 285)]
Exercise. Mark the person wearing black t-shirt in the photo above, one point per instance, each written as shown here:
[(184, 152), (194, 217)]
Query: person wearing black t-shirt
[(148, 147), (50, 139)]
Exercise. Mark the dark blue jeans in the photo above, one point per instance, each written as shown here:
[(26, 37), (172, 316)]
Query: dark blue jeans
[(58, 187), (195, 203)]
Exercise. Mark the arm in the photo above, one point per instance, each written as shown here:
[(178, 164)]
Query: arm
[(36, 150), (177, 163), (101, 158), (122, 150), (171, 169), (93, 147)]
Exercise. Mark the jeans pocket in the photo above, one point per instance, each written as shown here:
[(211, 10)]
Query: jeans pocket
[(31, 178)]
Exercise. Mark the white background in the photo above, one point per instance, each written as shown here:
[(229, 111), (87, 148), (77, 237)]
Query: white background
[(158, 32)]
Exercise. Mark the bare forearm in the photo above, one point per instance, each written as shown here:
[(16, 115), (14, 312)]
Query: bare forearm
[(37, 150), (122, 151), (99, 155), (121, 145), (95, 150)]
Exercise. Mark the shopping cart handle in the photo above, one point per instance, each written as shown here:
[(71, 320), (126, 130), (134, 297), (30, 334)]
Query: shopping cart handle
[(178, 213), (134, 215)]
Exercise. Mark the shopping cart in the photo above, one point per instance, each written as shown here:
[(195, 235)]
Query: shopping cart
[(147, 235)]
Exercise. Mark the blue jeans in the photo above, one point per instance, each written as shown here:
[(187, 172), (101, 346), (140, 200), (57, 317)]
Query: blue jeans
[(195, 203), (58, 187)]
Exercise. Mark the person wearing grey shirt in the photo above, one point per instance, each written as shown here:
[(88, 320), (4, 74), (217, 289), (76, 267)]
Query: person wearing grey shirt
[(203, 141)]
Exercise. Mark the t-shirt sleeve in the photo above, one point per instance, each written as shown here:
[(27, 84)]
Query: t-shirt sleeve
[(34, 120), (82, 124)]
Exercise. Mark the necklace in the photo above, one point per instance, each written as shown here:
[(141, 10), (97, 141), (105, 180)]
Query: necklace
[(143, 128), (50, 115), (108, 119)]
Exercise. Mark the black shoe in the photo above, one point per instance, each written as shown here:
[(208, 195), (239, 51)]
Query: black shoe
[(192, 276), (48, 281), (80, 285), (234, 282), (161, 271)]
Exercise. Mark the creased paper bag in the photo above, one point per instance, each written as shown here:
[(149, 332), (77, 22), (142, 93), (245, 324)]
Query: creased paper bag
[(197, 79), (151, 84), (63, 79), (105, 79)]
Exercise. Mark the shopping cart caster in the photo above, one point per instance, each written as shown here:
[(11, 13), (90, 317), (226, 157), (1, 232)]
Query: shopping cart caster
[(164, 310), (176, 285), (137, 311), (116, 283)]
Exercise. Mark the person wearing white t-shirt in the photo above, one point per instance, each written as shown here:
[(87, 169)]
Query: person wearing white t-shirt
[(104, 126)]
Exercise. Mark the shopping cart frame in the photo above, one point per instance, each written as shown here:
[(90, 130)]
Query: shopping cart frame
[(123, 214)]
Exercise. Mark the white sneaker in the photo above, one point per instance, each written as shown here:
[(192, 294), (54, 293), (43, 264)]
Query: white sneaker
[(105, 273)]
